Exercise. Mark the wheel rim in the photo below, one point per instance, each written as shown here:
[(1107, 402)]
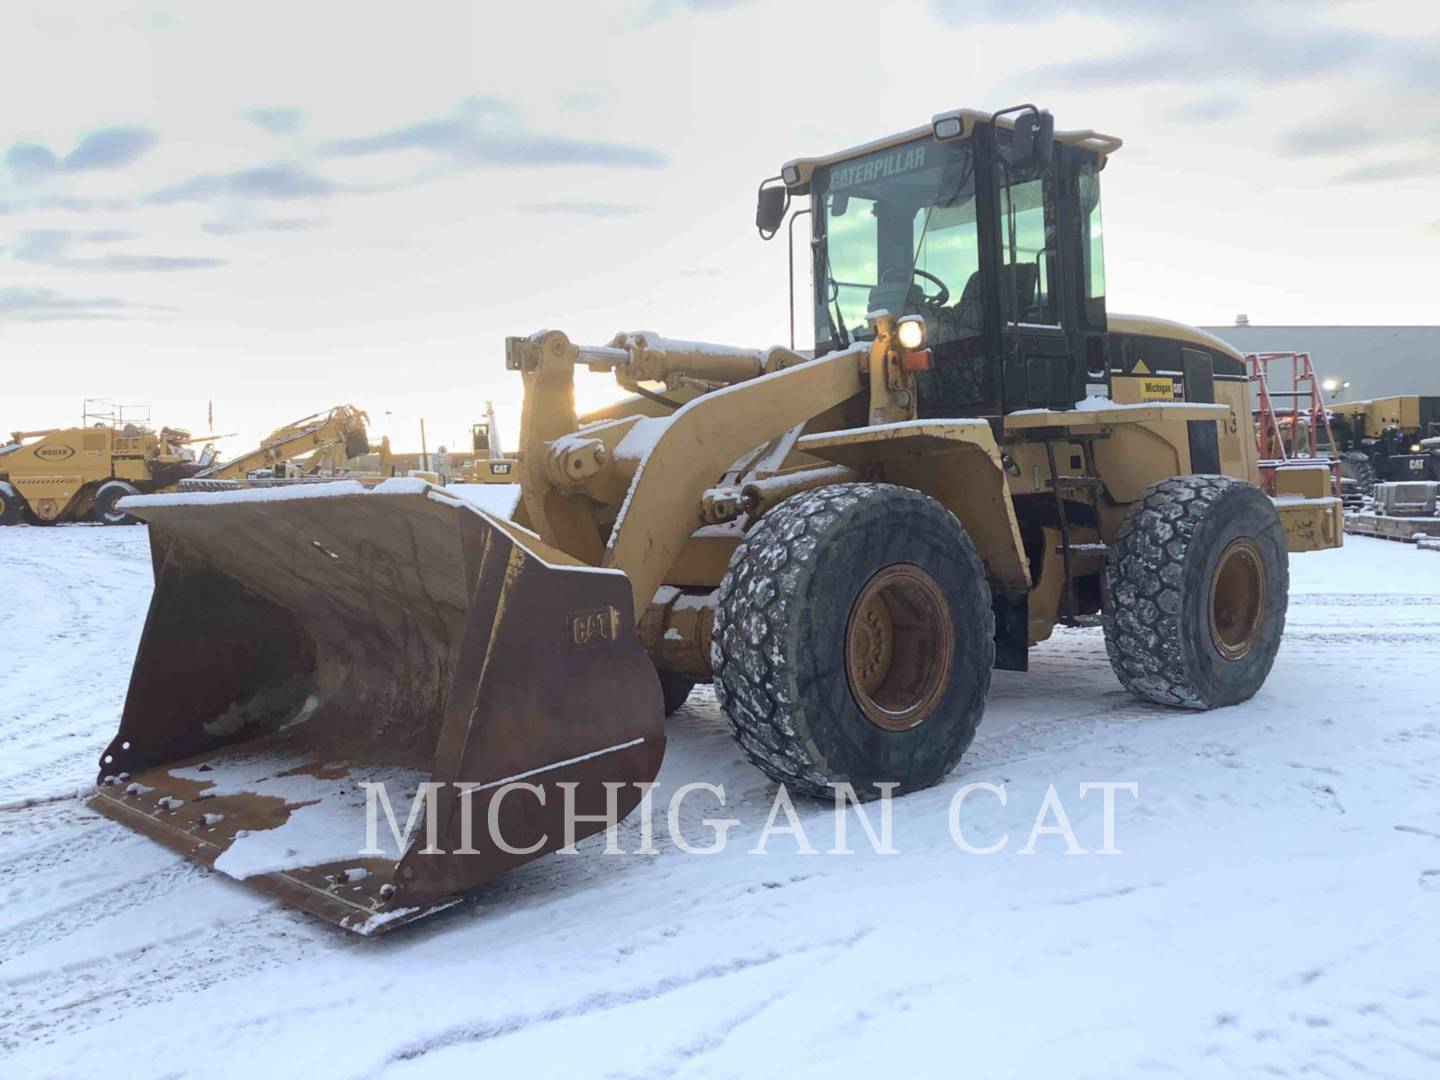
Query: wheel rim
[(899, 644), (1237, 599)]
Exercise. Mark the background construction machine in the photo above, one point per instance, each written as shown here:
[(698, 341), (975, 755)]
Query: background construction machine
[(325, 441), (488, 463), (846, 545), (61, 475), (1394, 439)]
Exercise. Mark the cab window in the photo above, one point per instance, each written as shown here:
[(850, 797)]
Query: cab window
[(1029, 245), (1092, 246)]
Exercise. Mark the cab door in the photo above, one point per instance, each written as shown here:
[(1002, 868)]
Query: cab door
[(1035, 345)]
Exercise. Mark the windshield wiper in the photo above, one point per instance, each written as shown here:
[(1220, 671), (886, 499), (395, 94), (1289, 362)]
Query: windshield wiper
[(835, 319)]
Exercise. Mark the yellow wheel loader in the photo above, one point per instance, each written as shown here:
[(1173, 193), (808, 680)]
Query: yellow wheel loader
[(844, 543), (63, 475)]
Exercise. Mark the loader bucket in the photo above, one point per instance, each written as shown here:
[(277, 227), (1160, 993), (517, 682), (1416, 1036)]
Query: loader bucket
[(310, 649)]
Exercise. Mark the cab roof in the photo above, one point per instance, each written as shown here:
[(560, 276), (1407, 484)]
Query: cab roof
[(796, 173)]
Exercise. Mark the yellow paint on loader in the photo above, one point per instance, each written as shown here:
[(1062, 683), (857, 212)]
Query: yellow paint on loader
[(843, 557)]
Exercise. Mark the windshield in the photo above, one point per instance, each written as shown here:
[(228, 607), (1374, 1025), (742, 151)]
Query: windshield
[(898, 232)]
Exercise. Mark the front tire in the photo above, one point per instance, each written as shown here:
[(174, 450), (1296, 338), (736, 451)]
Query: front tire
[(104, 510), (1197, 590), (854, 640), (12, 506)]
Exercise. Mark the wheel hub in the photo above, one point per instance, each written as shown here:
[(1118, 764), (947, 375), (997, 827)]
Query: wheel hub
[(1238, 592), (899, 647)]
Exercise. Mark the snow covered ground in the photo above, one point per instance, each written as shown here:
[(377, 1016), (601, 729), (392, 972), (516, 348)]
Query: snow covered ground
[(1275, 909)]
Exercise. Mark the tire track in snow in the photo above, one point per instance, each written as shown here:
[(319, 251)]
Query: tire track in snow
[(610, 999), (77, 847), (1380, 600), (76, 593), (51, 924), (52, 1005), (58, 776)]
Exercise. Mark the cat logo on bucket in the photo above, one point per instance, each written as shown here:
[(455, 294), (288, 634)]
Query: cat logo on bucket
[(593, 626), (54, 453)]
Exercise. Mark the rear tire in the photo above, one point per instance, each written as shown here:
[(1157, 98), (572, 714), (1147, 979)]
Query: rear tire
[(1357, 466), (1197, 590), (104, 511), (12, 506), (854, 640), (675, 689)]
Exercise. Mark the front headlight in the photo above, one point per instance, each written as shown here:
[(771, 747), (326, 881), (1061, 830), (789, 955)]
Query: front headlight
[(1415, 448), (910, 332)]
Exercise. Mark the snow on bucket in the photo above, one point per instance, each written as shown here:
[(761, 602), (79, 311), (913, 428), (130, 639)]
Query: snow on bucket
[(308, 649)]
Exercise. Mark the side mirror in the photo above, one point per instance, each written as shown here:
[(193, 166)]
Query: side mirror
[(1034, 139), (770, 207)]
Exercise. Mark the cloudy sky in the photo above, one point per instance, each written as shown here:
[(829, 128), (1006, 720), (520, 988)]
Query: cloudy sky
[(284, 206)]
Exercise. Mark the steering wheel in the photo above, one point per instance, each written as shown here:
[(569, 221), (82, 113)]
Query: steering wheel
[(938, 300)]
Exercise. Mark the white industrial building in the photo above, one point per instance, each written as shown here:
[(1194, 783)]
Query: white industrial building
[(1376, 361)]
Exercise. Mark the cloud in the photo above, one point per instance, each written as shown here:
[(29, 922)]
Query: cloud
[(110, 148), (1210, 110), (969, 12), (659, 10), (43, 245), (441, 133), (1224, 41), (50, 305), (235, 228), (55, 247), (582, 100), (471, 140), (73, 204), (1381, 171), (106, 148), (276, 121), (30, 161), (283, 181), (1314, 141), (484, 132), (143, 264), (584, 209)]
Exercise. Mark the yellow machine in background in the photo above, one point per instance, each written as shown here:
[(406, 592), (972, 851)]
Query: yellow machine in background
[(489, 464), (325, 441), (1388, 440), (61, 475), (79, 474)]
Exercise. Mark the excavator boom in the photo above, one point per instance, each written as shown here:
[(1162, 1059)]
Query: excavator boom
[(341, 427)]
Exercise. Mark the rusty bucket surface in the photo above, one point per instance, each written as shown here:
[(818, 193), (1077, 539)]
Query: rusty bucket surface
[(306, 650)]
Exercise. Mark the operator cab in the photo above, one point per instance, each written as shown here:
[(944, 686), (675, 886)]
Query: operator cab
[(986, 226)]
